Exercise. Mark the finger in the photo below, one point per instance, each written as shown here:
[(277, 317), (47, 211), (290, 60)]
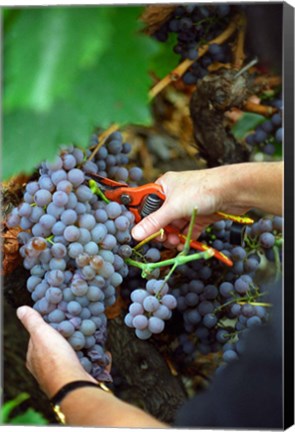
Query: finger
[(30, 319), (152, 223)]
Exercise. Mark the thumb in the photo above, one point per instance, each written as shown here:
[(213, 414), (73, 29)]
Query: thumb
[(30, 318), (152, 223)]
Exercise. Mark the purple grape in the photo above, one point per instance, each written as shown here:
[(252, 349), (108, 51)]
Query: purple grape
[(229, 356), (76, 177), (140, 322), (113, 210), (156, 325), (267, 240), (135, 174), (54, 295), (42, 197)]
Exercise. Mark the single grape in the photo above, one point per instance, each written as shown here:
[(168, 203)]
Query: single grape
[(136, 309), (58, 250), (68, 217), (95, 294), (71, 233), (113, 210), (209, 320), (55, 277), (76, 176), (77, 340), (151, 303), (75, 249), (79, 287), (66, 328), (156, 325), (138, 295), (98, 233), (135, 174), (54, 295), (267, 240), (230, 356), (140, 322), (87, 327), (143, 334), (56, 316)]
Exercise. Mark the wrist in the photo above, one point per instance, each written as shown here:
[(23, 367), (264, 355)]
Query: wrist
[(60, 380), (59, 400), (235, 187)]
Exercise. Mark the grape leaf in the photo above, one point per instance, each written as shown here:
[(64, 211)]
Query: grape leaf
[(248, 122), (29, 138), (58, 43), (165, 60), (113, 89), (29, 417), (117, 88), (9, 406)]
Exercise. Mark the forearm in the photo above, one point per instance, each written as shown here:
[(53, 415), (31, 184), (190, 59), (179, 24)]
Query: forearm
[(255, 185), (94, 407)]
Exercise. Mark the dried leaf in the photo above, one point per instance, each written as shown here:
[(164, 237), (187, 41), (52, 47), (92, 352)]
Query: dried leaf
[(10, 246)]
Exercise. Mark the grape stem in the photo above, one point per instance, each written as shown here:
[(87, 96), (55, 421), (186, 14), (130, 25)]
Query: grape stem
[(97, 191), (183, 66), (264, 110), (255, 303), (180, 259), (239, 52), (277, 262), (149, 238), (49, 239), (239, 300), (102, 138), (187, 243)]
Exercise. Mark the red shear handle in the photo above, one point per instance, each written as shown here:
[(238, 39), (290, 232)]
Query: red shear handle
[(199, 246), (136, 194)]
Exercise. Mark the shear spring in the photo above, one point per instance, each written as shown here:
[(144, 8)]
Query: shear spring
[(151, 204)]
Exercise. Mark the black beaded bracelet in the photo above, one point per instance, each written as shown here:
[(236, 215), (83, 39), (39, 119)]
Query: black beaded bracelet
[(67, 388)]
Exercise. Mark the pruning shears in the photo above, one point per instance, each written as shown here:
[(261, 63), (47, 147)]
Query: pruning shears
[(144, 200)]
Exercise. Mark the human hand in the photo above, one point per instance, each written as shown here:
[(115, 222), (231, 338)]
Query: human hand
[(208, 191), (50, 358)]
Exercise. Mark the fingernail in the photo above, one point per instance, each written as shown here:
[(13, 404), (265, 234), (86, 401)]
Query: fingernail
[(20, 312), (138, 232)]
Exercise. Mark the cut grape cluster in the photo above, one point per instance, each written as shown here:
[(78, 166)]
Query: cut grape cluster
[(71, 244), (150, 308)]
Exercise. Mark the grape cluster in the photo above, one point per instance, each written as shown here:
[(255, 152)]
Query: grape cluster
[(264, 235), (192, 25), (217, 305), (149, 308), (72, 242), (111, 160), (269, 133)]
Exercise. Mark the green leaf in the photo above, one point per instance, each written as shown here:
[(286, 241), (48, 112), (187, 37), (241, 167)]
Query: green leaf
[(248, 122), (29, 417), (113, 90), (7, 408), (29, 138), (165, 59), (116, 90), (45, 49)]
